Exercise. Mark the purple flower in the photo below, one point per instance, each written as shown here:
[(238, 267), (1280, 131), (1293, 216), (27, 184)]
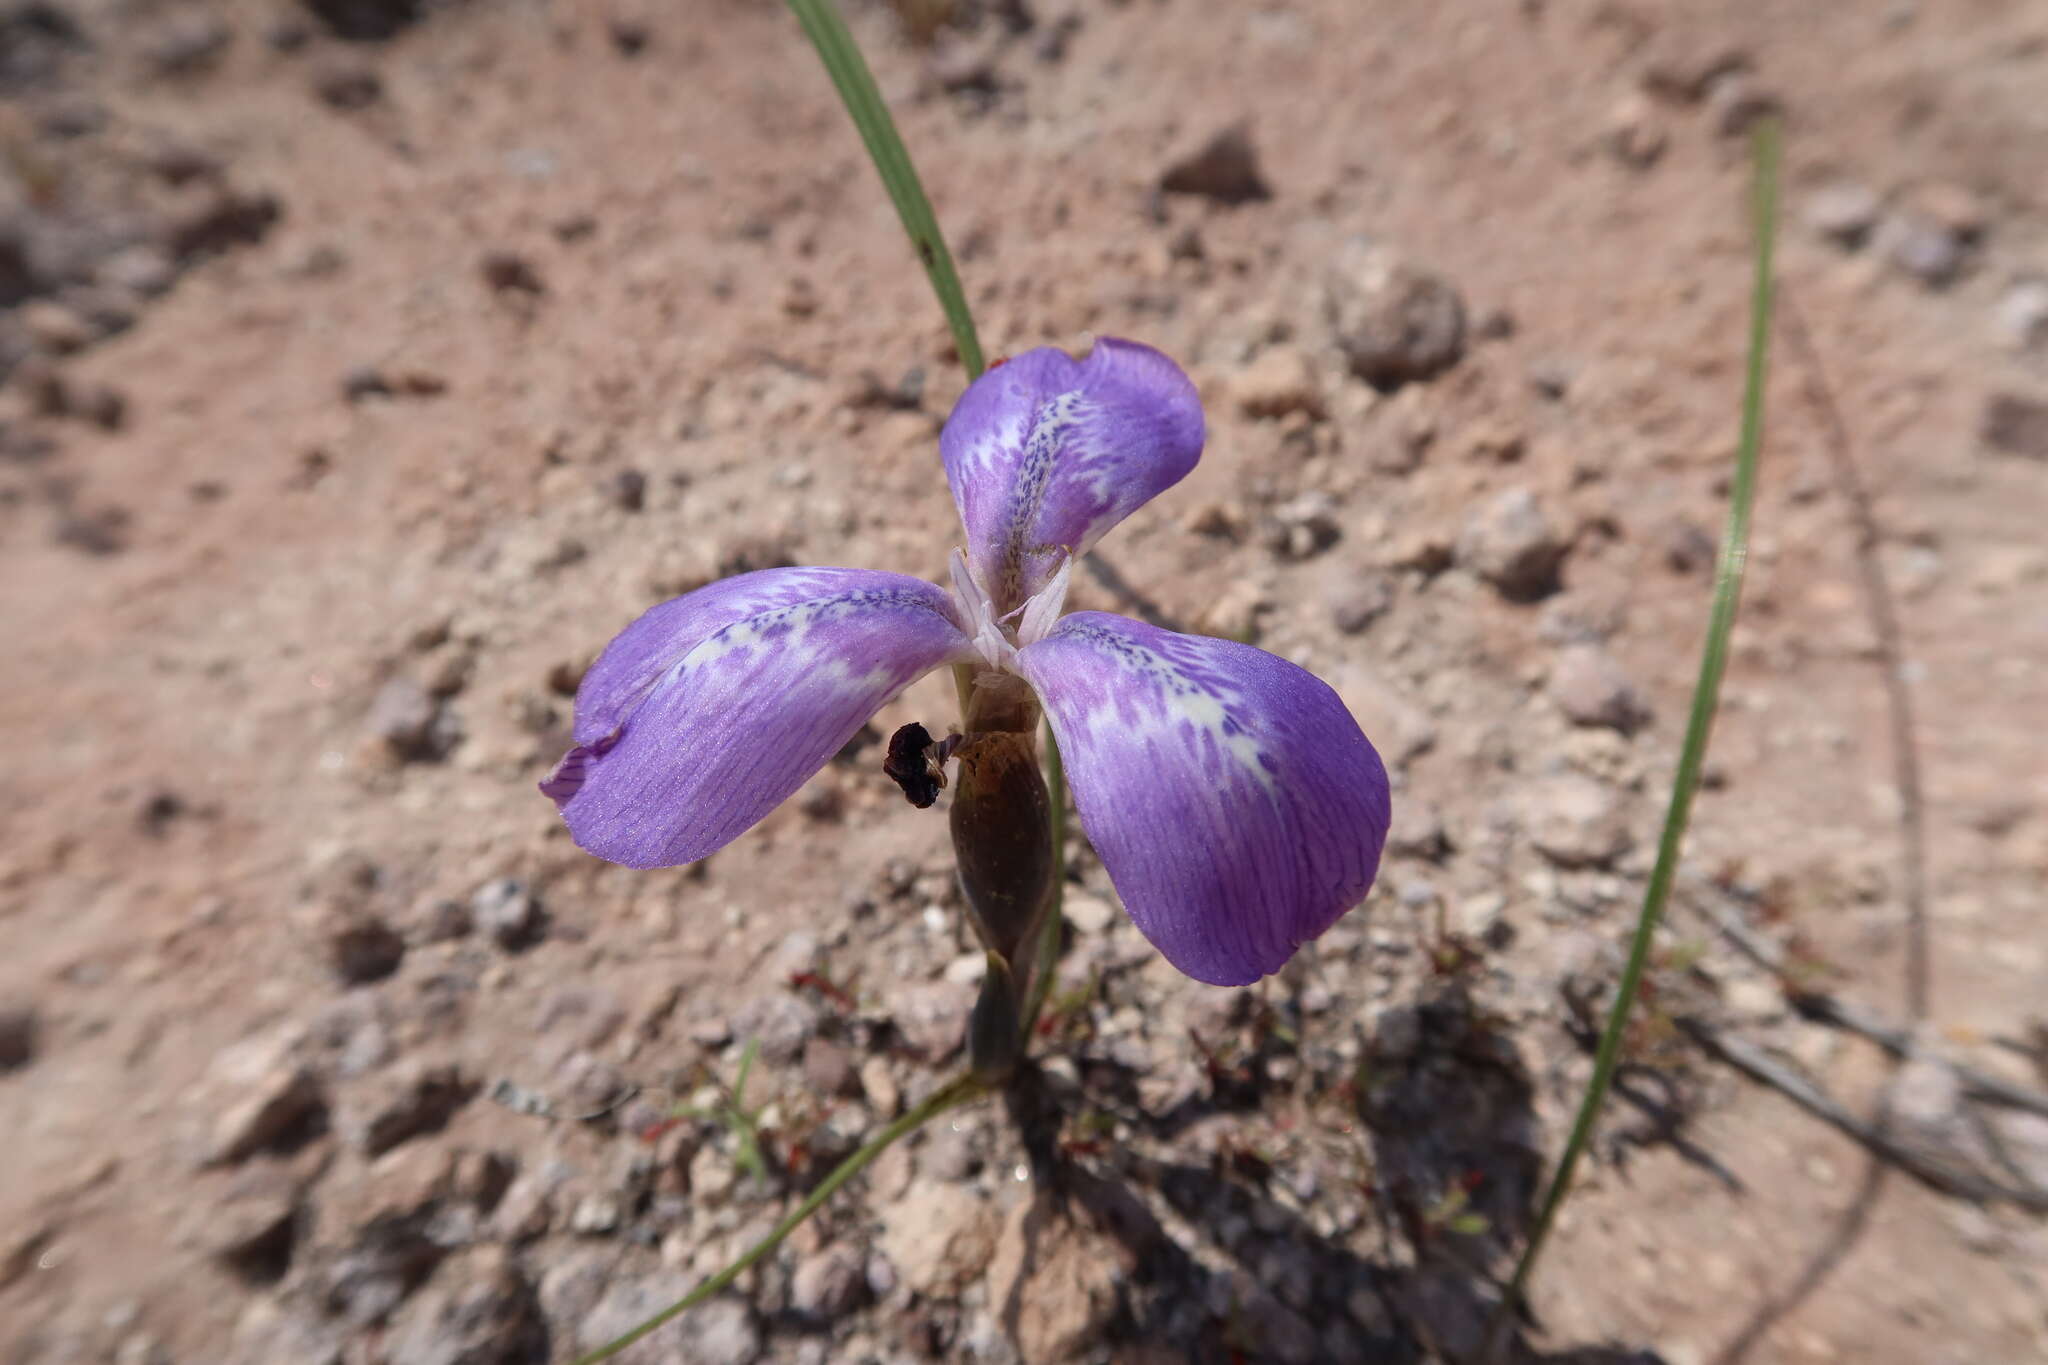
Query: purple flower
[(1235, 803)]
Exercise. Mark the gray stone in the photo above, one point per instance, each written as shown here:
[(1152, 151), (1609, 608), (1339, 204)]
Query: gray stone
[(1225, 168), (1089, 914), (1575, 821), (413, 724), (931, 1016), (419, 1100), (779, 1024), (1280, 380), (1509, 542), (362, 948), (479, 1310), (829, 1284), (2015, 424), (939, 1237), (1360, 602), (721, 1332), (2022, 314), (1394, 322), (18, 1035), (1921, 247), (1052, 1282), (1591, 689), (829, 1069), (1844, 212), (508, 912), (272, 1098)]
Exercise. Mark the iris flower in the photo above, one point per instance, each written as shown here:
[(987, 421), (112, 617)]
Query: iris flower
[(1235, 803)]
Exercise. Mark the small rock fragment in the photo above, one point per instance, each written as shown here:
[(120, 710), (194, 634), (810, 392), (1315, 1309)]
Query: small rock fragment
[(1844, 212), (1736, 101), (1591, 689), (725, 1333), (939, 1237), (365, 21), (1510, 543), (508, 912), (828, 1068), (419, 1100), (1576, 821), (1358, 603), (478, 1310), (188, 43), (628, 492), (1394, 322), (281, 1102), (56, 327), (1636, 136), (1280, 380), (508, 272), (779, 1024), (879, 1085), (931, 1016), (1683, 70), (2015, 424), (1225, 169), (1687, 547), (829, 1284), (629, 1300), (1417, 831), (1052, 1281), (349, 88), (253, 1230), (2022, 314), (18, 1030), (1088, 914), (363, 948), (1304, 526), (413, 725), (227, 218), (1922, 248)]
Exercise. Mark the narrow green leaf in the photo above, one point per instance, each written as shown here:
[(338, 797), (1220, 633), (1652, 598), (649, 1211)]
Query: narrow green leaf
[(949, 1096), (849, 72), (1699, 723)]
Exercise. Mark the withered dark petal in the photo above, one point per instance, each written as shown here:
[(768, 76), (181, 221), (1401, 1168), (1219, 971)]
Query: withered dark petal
[(909, 766)]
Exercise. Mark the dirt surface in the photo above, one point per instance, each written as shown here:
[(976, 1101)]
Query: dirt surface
[(370, 364)]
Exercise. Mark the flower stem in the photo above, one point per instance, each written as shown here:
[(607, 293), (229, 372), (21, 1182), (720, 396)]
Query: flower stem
[(952, 1095), (1699, 724)]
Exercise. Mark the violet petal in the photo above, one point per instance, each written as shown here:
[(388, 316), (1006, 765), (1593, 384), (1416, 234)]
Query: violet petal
[(1045, 453), (713, 708), (1235, 803)]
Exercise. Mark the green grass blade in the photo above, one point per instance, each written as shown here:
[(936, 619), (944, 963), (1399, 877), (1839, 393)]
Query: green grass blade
[(1699, 724), (849, 72), (949, 1096)]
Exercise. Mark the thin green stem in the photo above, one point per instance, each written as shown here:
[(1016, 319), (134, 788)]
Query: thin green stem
[(1699, 725), (849, 72), (952, 1095)]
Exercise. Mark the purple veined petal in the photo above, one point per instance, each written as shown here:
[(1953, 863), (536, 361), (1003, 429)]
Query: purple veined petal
[(711, 709), (1045, 453), (1238, 808)]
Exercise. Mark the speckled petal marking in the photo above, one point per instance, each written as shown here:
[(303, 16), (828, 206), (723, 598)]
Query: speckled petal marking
[(1236, 805), (711, 709), (1045, 453)]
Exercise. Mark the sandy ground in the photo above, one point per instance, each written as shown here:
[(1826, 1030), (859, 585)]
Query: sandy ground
[(362, 388)]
